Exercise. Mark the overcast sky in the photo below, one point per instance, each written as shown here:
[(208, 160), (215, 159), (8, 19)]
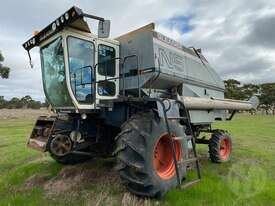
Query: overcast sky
[(237, 36)]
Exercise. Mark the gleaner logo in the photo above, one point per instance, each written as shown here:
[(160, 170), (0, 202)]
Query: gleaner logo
[(170, 59), (168, 40)]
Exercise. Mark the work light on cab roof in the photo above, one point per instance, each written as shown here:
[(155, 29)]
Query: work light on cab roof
[(67, 19)]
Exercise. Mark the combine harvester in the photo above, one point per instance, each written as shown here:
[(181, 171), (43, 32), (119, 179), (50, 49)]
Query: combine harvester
[(142, 98)]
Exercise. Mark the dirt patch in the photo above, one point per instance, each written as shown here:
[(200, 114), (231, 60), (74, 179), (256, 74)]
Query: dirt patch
[(96, 181), (79, 176), (102, 198), (131, 200), (35, 181), (125, 199)]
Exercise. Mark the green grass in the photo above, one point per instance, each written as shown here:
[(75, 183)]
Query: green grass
[(248, 179)]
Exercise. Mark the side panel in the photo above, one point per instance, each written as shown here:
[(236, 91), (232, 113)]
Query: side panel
[(140, 44), (206, 117), (177, 63)]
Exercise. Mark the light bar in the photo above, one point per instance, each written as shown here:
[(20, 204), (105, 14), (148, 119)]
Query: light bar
[(65, 19)]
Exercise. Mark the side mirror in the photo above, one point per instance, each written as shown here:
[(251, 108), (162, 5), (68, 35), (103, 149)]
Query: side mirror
[(104, 28)]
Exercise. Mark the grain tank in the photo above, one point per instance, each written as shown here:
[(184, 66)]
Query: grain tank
[(166, 64)]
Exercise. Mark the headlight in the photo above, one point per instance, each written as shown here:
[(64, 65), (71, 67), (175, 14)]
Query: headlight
[(83, 116), (62, 19), (75, 136), (53, 26), (57, 22), (66, 16)]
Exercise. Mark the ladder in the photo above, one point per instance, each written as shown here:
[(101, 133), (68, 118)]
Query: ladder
[(190, 136)]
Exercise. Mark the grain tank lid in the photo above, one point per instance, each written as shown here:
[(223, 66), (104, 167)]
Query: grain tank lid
[(146, 28)]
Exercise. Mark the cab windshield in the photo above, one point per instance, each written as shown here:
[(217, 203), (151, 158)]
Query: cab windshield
[(53, 72)]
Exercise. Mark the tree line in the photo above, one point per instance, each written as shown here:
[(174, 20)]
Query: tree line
[(25, 102), (266, 93), (15, 102)]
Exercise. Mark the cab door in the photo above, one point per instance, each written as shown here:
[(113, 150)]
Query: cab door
[(81, 60), (107, 70)]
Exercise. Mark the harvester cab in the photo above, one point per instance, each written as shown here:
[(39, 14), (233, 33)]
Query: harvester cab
[(142, 98), (79, 68)]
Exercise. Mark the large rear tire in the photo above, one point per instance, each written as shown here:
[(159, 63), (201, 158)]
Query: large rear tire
[(144, 155), (220, 147)]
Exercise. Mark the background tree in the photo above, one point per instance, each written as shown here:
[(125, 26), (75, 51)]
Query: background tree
[(46, 104), (249, 90), (25, 102), (3, 102), (34, 104), (267, 97), (266, 93), (14, 103), (233, 89), (4, 71)]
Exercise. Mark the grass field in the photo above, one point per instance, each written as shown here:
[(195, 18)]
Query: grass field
[(28, 177)]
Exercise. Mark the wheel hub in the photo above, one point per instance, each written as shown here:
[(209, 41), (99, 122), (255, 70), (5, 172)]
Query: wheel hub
[(163, 157), (225, 149), (61, 145)]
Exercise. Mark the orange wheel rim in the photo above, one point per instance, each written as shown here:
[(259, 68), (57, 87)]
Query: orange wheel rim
[(163, 157), (225, 149)]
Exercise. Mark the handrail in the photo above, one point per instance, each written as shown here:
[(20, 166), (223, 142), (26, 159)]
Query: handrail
[(121, 73), (137, 67), (81, 80)]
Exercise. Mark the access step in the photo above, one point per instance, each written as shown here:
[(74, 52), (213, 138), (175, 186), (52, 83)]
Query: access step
[(38, 143), (179, 118), (189, 184), (187, 137), (187, 161)]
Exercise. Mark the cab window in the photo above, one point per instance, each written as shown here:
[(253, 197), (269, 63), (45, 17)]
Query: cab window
[(106, 61)]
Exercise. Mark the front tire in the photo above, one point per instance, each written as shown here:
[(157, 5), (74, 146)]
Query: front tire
[(144, 156), (65, 158)]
